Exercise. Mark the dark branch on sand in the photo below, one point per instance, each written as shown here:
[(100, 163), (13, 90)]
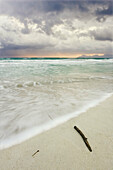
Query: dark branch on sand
[(35, 152), (83, 137)]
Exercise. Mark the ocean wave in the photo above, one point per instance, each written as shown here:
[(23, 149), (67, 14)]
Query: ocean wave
[(28, 133), (36, 95)]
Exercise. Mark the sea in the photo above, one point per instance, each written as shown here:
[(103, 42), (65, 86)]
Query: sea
[(39, 94)]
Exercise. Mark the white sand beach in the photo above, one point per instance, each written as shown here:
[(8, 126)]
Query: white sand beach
[(62, 148)]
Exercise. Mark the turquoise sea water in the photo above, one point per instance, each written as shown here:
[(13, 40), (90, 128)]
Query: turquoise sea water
[(36, 95)]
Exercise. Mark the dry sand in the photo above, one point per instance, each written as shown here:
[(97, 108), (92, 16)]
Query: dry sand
[(62, 148)]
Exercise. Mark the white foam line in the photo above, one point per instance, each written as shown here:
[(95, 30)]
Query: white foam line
[(35, 131)]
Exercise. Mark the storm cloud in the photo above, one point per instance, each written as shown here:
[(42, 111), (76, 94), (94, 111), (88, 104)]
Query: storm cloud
[(102, 34), (44, 28)]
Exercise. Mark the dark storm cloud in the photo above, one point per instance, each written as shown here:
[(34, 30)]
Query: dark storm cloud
[(60, 6), (103, 38), (102, 34), (18, 47), (47, 10), (53, 6), (30, 8), (15, 47), (56, 20), (104, 11), (18, 50), (36, 12)]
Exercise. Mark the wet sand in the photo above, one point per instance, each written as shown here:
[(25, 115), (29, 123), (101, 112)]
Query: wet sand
[(62, 148)]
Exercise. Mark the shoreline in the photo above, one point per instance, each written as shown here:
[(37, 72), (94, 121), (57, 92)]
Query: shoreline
[(63, 148), (48, 126)]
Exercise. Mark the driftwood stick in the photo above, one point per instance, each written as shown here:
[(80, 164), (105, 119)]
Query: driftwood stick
[(83, 137), (35, 152)]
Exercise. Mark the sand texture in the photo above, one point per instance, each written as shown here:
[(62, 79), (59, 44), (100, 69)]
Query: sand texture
[(62, 148)]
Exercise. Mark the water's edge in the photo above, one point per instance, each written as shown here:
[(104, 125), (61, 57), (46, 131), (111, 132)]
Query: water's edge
[(35, 131)]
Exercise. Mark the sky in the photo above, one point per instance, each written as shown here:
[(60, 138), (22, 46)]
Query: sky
[(33, 28)]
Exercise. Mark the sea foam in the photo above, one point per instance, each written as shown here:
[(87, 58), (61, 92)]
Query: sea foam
[(36, 95), (27, 134)]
